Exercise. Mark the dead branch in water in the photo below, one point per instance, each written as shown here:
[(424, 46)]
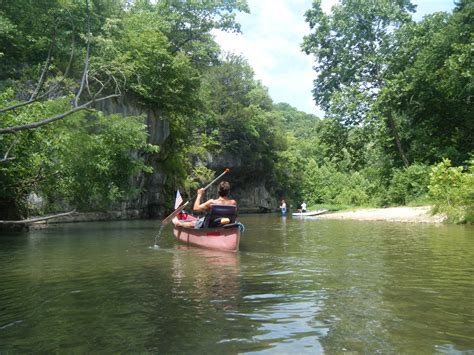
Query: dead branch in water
[(37, 219)]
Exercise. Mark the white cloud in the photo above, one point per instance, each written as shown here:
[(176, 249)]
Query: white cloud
[(326, 5), (271, 42)]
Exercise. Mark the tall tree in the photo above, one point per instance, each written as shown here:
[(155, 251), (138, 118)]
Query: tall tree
[(351, 47), (430, 83), (241, 116)]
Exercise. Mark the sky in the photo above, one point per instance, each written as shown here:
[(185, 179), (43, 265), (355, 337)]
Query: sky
[(271, 42)]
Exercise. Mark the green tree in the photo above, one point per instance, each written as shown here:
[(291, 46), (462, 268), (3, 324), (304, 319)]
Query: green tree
[(301, 145), (351, 47), (429, 82), (47, 102), (409, 184), (150, 53), (93, 168), (85, 161), (241, 110), (452, 189)]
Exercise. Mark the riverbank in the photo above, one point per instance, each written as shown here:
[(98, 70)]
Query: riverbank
[(392, 214)]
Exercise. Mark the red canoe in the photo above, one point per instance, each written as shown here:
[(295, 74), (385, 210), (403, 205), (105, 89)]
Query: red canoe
[(225, 238)]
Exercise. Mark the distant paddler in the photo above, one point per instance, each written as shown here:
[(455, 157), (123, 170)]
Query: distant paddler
[(283, 208)]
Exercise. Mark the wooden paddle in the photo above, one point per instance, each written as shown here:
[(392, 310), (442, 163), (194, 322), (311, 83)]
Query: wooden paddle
[(180, 208)]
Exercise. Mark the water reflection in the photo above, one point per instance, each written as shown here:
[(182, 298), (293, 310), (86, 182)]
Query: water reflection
[(296, 286), (206, 275)]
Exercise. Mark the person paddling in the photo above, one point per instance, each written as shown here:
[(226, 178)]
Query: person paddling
[(223, 199)]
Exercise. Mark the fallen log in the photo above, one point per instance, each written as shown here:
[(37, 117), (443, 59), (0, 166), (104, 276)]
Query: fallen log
[(37, 219)]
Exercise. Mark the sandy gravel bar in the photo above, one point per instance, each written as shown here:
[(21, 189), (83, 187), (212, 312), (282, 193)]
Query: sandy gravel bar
[(392, 214)]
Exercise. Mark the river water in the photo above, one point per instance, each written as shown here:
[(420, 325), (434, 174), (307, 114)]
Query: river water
[(296, 286)]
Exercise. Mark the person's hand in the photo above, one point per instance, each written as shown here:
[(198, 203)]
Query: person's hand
[(200, 192)]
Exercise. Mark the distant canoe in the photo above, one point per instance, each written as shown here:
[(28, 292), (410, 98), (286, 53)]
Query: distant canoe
[(309, 213)]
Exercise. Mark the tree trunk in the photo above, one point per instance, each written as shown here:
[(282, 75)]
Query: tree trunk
[(394, 131), (10, 211)]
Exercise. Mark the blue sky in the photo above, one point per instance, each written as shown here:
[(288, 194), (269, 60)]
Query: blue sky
[(270, 41)]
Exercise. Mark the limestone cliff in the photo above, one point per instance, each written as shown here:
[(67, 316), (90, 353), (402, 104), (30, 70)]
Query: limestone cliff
[(152, 201), (248, 189)]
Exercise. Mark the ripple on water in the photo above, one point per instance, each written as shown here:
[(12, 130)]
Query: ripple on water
[(301, 287)]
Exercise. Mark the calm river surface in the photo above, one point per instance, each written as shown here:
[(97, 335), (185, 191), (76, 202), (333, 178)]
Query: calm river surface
[(296, 286)]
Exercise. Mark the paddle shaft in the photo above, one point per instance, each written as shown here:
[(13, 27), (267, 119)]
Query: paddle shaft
[(180, 208)]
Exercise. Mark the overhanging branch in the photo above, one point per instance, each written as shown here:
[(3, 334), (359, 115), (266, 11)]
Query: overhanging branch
[(85, 72), (6, 158), (44, 72), (35, 96), (54, 118)]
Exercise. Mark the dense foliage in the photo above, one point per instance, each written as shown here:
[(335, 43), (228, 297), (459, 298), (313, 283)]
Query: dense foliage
[(398, 96), (452, 190), (154, 55)]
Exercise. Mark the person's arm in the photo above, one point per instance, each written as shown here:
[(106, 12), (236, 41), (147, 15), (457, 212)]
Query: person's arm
[(198, 206)]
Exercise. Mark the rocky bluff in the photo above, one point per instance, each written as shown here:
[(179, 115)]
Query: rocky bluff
[(156, 199)]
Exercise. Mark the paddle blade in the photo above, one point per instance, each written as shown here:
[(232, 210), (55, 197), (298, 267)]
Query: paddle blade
[(174, 214)]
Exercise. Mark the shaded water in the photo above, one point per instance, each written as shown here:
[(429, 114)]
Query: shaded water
[(297, 285)]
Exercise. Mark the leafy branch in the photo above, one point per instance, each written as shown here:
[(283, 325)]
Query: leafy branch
[(83, 85)]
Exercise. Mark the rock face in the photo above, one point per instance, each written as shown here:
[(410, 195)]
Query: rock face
[(255, 198), (151, 202), (252, 197), (249, 190)]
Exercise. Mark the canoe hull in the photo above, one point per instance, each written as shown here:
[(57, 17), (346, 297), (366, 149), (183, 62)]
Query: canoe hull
[(309, 213), (225, 239)]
